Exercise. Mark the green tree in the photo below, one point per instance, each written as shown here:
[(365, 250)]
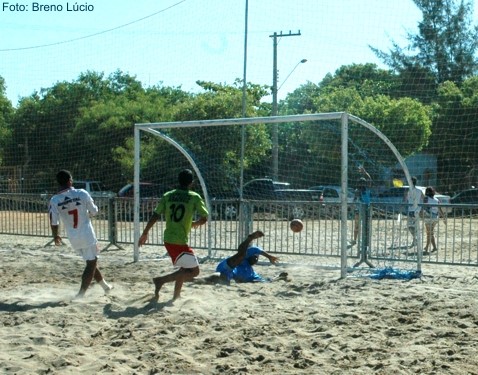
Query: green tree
[(441, 64), (218, 149), (300, 100), (46, 126), (405, 121), (366, 79), (6, 114), (373, 95), (455, 133), (105, 131), (444, 48)]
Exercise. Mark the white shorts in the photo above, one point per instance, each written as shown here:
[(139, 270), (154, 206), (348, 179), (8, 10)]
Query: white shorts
[(186, 260), (182, 256), (412, 219), (89, 253)]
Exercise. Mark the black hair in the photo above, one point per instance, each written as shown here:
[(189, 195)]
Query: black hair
[(63, 177), (414, 181), (429, 191), (253, 259), (185, 178)]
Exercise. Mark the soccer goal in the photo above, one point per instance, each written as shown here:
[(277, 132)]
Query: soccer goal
[(260, 172)]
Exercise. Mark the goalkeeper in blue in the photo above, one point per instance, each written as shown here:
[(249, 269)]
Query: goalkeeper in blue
[(239, 267)]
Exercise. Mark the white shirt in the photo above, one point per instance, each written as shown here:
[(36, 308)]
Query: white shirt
[(431, 210), (74, 207), (415, 197)]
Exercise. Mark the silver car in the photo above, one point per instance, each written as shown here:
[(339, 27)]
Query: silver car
[(396, 197)]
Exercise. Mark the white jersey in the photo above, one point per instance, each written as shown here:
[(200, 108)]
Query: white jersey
[(415, 198), (430, 207), (74, 207)]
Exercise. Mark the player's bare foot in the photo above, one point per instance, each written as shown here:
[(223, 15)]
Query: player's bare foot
[(80, 295), (108, 289), (157, 286)]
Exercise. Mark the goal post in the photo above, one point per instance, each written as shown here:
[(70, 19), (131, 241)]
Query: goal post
[(137, 180), (316, 149)]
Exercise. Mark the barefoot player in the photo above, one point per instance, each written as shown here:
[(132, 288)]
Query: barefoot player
[(178, 206), (74, 207)]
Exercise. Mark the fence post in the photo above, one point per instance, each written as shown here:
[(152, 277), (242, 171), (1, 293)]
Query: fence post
[(112, 225)]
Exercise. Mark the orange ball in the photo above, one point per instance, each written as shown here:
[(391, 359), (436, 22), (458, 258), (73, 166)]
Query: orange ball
[(296, 225)]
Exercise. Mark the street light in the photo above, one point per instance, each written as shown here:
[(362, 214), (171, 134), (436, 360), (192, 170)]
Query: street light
[(275, 127), (292, 71)]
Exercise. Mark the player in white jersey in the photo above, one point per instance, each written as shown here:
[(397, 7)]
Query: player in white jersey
[(74, 207), (414, 198)]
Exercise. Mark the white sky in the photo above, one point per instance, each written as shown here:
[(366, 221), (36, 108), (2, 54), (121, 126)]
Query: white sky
[(178, 42)]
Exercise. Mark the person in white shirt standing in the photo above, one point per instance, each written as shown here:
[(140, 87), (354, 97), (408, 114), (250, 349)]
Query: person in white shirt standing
[(431, 213), (74, 207), (414, 197)]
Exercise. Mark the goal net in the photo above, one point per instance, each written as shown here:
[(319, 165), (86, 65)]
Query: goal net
[(258, 173)]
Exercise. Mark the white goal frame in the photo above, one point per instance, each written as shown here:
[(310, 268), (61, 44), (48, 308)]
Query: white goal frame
[(344, 117)]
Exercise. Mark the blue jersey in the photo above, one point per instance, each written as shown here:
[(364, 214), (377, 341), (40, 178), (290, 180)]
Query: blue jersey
[(363, 196), (244, 271)]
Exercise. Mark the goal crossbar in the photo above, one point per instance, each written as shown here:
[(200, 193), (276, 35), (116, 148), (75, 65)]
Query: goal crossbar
[(343, 117)]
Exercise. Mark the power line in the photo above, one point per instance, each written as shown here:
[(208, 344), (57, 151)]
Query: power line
[(95, 34)]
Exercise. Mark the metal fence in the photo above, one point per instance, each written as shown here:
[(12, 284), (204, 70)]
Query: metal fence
[(389, 237)]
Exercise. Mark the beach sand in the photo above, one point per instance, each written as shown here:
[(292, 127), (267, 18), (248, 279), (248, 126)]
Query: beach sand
[(312, 323)]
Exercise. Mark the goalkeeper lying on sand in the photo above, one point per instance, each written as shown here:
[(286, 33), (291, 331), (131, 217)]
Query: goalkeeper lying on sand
[(239, 266)]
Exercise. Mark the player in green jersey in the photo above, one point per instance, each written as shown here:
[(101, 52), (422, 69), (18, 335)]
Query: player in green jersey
[(178, 206)]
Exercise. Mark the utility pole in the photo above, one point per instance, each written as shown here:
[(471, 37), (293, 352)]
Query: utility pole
[(275, 127)]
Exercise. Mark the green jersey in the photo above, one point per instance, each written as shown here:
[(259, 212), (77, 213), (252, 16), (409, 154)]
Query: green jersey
[(179, 206)]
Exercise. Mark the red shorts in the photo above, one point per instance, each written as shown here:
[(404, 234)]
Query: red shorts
[(182, 255)]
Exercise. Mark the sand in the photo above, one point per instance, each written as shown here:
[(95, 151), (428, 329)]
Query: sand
[(312, 323)]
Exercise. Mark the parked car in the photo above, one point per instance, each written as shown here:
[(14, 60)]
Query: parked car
[(465, 197), (469, 196), (146, 190), (393, 199), (149, 194), (331, 196), (332, 193), (225, 206), (95, 188), (265, 189)]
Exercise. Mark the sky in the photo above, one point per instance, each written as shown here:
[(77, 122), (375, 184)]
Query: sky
[(177, 42)]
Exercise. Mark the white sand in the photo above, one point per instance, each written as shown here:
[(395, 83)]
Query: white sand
[(314, 323)]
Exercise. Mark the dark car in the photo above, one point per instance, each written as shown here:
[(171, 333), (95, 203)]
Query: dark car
[(267, 190), (333, 193), (146, 190), (149, 194), (331, 196), (463, 198), (469, 196)]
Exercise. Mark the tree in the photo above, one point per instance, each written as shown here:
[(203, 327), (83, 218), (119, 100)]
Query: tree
[(218, 101), (405, 121), (366, 79), (445, 46), (6, 114), (455, 134), (440, 71), (48, 127), (370, 93), (300, 100)]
